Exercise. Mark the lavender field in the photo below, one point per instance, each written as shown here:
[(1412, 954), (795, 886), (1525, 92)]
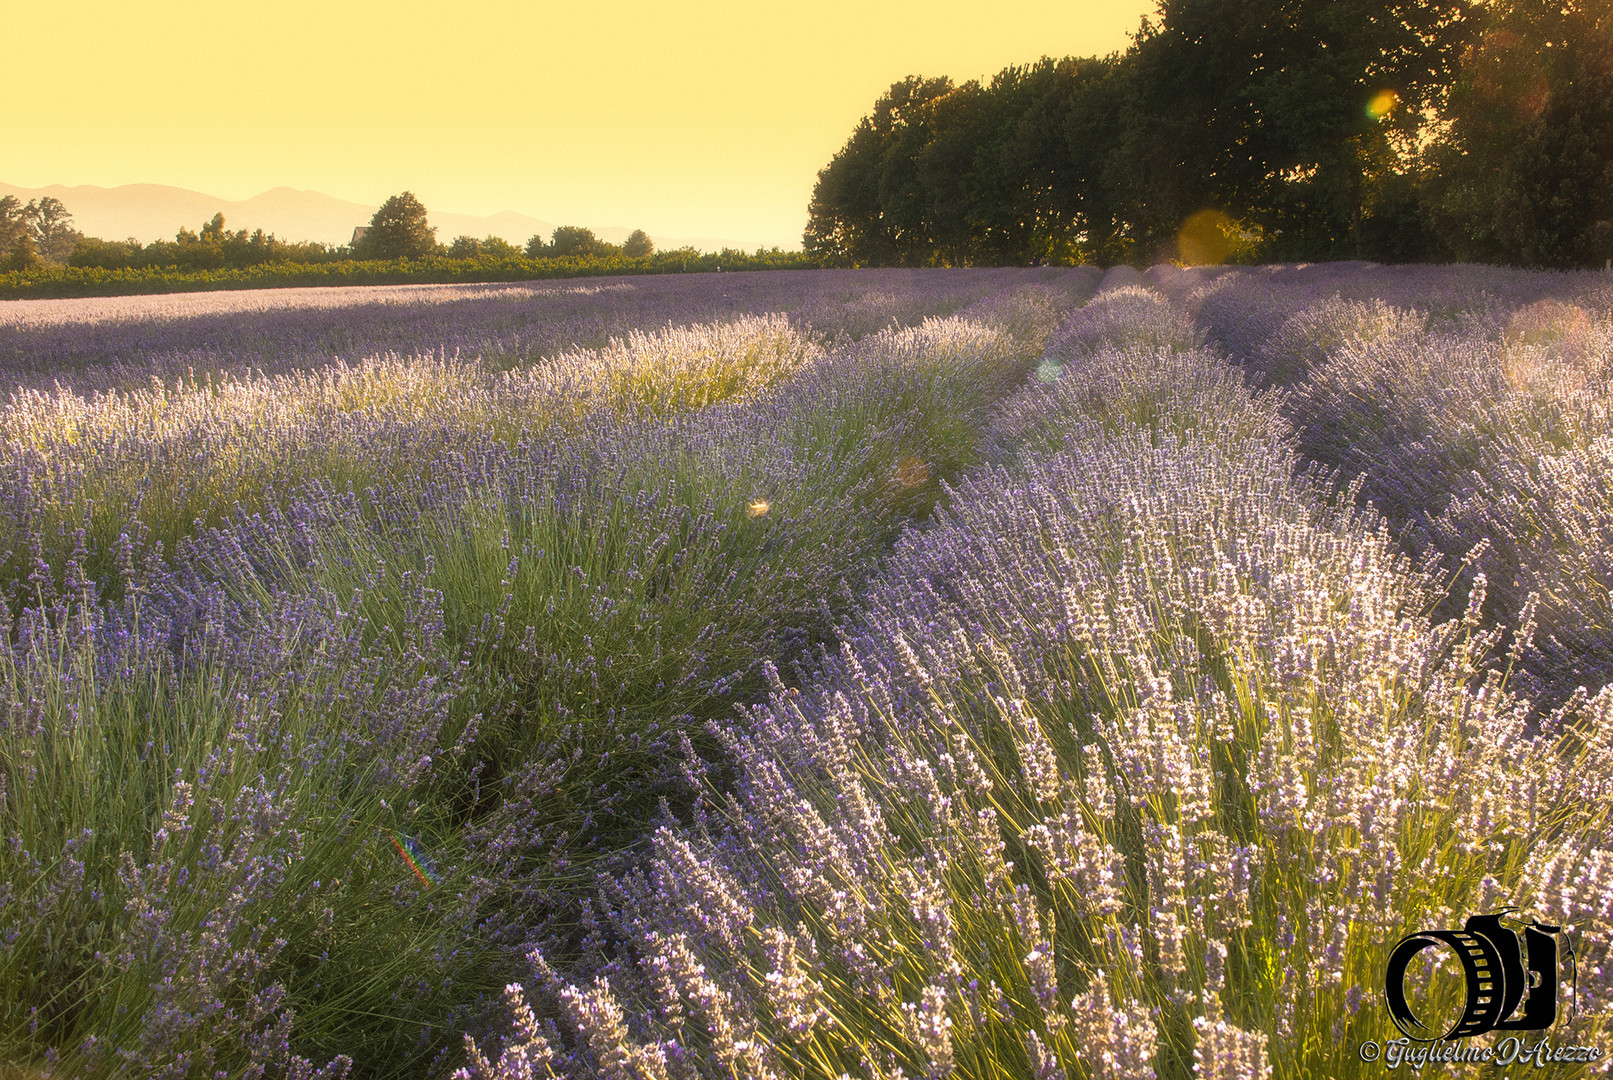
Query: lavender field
[(984, 674)]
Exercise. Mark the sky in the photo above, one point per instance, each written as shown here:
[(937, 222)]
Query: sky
[(693, 118)]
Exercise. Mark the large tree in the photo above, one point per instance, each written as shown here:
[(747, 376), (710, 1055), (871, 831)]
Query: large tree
[(50, 228), (1291, 115), (398, 231), (638, 245), (13, 223), (1525, 173), (1060, 149), (577, 242), (867, 207)]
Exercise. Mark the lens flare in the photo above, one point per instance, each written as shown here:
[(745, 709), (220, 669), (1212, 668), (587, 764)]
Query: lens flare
[(759, 508), (911, 471), (1382, 104), (415, 858), (1550, 347), (1205, 238)]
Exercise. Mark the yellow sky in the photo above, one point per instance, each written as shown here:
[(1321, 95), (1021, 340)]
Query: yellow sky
[(707, 118)]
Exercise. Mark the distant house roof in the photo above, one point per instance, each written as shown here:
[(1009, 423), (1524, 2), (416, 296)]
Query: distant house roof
[(358, 234)]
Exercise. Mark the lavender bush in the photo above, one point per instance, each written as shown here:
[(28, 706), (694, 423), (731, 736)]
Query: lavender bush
[(1473, 419), (1135, 764), (838, 674), (326, 693), (121, 343)]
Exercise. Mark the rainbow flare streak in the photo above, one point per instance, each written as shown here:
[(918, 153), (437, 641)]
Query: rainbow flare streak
[(413, 857)]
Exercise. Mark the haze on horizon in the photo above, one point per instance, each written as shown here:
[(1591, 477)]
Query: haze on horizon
[(708, 118)]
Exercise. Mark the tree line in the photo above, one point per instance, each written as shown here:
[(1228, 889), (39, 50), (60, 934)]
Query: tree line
[(36, 233), (41, 234), (1256, 130), (399, 230)]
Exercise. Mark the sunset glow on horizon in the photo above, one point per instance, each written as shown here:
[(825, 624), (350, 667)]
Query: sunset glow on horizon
[(694, 119)]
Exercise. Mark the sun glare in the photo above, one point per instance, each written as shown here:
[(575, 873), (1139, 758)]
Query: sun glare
[(1204, 238), (1382, 104)]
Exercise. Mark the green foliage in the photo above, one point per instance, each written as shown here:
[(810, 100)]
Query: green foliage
[(1300, 122), (100, 279), (51, 228), (862, 213), (1526, 174), (23, 256), (398, 231), (574, 241), (492, 247), (40, 232), (496, 247), (92, 251), (214, 248), (12, 223), (1265, 112), (638, 244)]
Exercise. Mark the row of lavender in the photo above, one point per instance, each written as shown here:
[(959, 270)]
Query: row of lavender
[(119, 343), (325, 695), (154, 455), (1136, 763), (1477, 406)]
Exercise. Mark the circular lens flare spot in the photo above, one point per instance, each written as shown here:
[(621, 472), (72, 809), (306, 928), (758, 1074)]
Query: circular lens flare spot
[(1205, 238), (911, 471), (1382, 104)]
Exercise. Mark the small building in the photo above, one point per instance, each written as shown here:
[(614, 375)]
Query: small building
[(358, 234)]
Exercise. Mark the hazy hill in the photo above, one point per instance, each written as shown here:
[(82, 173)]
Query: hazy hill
[(150, 212)]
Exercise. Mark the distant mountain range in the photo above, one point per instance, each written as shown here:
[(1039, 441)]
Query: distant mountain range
[(150, 212)]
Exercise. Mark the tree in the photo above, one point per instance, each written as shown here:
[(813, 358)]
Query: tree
[(868, 207), (51, 228), (1291, 115), (536, 248), (1066, 146), (398, 231), (13, 223), (492, 247), (108, 254), (638, 245), (213, 231), (496, 247), (1525, 173), (23, 256), (575, 241)]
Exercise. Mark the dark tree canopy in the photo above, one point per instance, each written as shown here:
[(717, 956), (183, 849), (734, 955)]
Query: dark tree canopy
[(574, 240), (1288, 129), (399, 231), (1287, 115), (23, 255), (866, 209), (1526, 174)]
